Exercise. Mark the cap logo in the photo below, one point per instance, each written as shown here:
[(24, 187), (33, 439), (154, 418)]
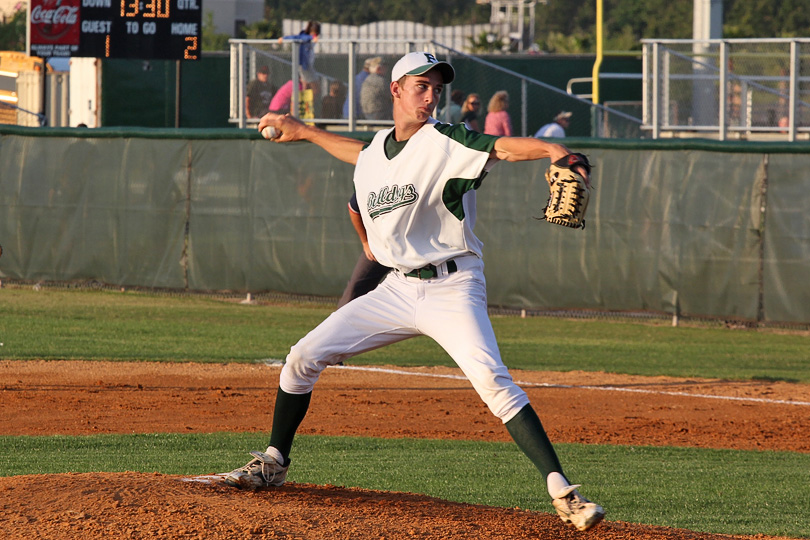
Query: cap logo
[(419, 63)]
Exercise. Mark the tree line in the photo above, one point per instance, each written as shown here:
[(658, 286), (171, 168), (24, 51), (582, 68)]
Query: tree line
[(562, 26), (567, 26)]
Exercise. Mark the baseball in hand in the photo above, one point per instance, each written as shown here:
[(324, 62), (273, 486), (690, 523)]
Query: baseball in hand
[(270, 132)]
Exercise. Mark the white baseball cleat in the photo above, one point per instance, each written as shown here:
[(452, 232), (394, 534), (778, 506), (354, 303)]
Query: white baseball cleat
[(263, 471), (578, 511)]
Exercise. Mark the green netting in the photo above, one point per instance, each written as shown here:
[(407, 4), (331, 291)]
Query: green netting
[(714, 229), (786, 237), (80, 208), (270, 217), (665, 231)]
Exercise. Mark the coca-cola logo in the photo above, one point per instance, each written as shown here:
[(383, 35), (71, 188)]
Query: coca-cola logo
[(59, 16), (55, 21)]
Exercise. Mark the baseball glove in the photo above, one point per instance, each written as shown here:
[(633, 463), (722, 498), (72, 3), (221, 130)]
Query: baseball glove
[(569, 192)]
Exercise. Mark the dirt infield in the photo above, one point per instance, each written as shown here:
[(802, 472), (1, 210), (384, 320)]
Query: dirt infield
[(72, 398)]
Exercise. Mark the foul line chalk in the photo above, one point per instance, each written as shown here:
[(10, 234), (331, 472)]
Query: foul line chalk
[(602, 388), (277, 363)]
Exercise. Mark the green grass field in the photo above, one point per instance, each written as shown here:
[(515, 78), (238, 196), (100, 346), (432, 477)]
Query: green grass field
[(100, 325), (720, 491)]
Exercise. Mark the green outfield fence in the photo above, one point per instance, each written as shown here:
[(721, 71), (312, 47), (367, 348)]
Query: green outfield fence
[(683, 227)]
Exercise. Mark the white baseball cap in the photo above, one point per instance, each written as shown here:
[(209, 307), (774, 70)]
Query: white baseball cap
[(564, 115), (419, 63)]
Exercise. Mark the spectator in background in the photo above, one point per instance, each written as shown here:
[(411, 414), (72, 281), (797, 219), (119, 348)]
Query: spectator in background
[(332, 104), (497, 121), (556, 128), (375, 96), (359, 79), (280, 104), (306, 56), (259, 93), (470, 110), (452, 113)]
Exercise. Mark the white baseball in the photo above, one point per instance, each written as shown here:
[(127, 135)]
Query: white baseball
[(270, 132)]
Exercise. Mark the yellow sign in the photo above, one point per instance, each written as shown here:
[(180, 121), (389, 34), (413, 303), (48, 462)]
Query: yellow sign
[(306, 104)]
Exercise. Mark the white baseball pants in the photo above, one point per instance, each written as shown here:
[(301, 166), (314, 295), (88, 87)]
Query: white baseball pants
[(451, 309)]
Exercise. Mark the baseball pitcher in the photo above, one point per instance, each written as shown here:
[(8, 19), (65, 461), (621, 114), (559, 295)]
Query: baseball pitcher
[(416, 185)]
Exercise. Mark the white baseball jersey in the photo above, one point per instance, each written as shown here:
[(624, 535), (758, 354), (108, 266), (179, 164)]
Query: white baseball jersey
[(418, 207)]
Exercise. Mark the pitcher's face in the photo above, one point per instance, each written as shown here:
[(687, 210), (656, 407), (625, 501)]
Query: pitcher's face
[(417, 96)]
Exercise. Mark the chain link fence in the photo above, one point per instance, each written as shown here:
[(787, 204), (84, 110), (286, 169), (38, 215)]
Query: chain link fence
[(745, 89)]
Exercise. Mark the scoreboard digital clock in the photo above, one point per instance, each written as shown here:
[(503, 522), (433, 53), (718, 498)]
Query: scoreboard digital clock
[(144, 29)]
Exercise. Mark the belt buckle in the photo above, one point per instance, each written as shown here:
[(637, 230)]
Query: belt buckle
[(430, 271)]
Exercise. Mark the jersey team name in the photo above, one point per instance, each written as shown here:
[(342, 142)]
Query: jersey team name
[(390, 198)]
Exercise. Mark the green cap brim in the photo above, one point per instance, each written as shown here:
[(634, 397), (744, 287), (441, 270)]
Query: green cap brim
[(447, 71)]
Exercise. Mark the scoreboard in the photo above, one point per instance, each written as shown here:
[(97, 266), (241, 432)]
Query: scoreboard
[(160, 29), (143, 29)]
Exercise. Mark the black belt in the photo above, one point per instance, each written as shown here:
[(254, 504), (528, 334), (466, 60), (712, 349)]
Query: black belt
[(431, 271)]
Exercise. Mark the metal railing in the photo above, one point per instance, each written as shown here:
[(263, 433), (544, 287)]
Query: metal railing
[(534, 95), (727, 88), (248, 54)]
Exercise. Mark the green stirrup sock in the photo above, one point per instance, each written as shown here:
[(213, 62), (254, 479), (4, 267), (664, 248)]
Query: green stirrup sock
[(287, 416), (527, 431)]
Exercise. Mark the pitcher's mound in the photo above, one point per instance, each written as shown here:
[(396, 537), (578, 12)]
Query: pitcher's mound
[(134, 505)]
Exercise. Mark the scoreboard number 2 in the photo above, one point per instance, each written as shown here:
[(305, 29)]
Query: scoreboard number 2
[(191, 48)]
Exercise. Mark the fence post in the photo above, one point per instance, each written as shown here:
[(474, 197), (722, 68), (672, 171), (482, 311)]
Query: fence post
[(241, 113), (187, 211), (352, 88), (656, 88), (763, 206), (676, 313), (296, 94), (794, 89), (722, 120), (524, 105), (447, 100), (596, 121), (645, 85)]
